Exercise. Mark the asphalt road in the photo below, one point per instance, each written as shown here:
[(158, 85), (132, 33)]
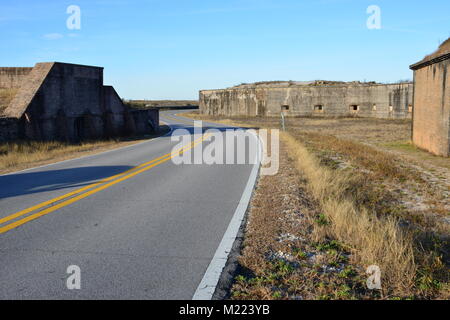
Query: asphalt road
[(147, 234)]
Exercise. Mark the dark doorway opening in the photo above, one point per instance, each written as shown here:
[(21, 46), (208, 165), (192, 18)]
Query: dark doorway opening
[(79, 129)]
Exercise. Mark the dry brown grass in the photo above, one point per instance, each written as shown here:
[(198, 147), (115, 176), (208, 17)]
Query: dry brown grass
[(365, 156), (6, 96), (384, 134), (21, 155), (416, 178), (374, 240), (368, 177), (282, 257)]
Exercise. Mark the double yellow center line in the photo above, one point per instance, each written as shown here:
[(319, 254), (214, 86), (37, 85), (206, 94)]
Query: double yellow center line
[(74, 196)]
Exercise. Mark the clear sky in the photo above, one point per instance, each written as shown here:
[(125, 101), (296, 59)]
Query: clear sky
[(170, 49)]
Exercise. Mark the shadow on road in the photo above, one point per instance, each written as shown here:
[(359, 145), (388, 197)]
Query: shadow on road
[(34, 182)]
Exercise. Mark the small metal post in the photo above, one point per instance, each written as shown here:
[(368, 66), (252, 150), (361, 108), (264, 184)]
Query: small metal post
[(283, 126)]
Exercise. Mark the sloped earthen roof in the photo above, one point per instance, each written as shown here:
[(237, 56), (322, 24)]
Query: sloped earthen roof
[(28, 90), (442, 53)]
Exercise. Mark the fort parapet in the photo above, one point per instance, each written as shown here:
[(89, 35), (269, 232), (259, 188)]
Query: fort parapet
[(318, 98)]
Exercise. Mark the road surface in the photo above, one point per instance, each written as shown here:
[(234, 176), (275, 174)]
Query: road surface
[(148, 233)]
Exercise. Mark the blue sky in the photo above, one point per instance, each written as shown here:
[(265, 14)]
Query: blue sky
[(170, 49)]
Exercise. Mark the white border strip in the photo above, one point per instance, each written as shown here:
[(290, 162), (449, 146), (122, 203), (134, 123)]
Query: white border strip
[(207, 286)]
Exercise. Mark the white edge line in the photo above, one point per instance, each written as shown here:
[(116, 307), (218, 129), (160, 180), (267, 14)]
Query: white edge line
[(91, 155), (208, 285)]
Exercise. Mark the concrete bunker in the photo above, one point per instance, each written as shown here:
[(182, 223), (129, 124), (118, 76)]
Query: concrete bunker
[(67, 102), (305, 98), (431, 114)]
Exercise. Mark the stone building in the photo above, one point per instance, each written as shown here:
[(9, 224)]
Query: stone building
[(318, 98), (61, 101), (431, 119)]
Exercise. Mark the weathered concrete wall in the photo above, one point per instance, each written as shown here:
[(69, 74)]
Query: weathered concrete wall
[(59, 101), (74, 94), (153, 118), (145, 121), (13, 77), (11, 80), (73, 89), (112, 101), (9, 129), (431, 120), (114, 112), (6, 96), (377, 100)]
